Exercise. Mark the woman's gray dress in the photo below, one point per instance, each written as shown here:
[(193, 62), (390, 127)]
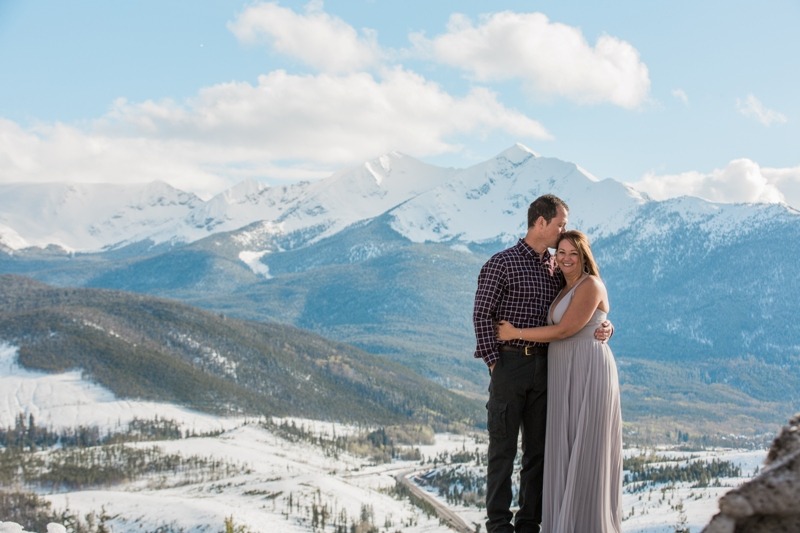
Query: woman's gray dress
[(583, 450)]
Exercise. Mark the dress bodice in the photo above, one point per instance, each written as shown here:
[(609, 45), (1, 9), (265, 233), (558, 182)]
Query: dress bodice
[(559, 308)]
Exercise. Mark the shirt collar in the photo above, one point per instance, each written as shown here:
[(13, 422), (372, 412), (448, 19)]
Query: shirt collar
[(526, 250)]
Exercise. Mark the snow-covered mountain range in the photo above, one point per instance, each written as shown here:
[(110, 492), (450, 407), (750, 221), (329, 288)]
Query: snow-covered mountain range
[(428, 203), (385, 256), (483, 203)]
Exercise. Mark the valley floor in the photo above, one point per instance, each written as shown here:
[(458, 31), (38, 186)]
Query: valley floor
[(258, 477)]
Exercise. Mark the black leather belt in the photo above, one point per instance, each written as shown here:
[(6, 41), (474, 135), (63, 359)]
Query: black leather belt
[(526, 351)]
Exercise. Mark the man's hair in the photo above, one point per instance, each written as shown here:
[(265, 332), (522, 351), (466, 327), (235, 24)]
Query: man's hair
[(545, 206)]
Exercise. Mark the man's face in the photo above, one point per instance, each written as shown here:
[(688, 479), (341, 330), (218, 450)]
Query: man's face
[(556, 226)]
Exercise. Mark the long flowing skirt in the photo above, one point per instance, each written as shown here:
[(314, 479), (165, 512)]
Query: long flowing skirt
[(583, 450)]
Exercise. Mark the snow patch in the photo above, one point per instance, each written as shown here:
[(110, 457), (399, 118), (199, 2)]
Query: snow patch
[(253, 261), (66, 400)]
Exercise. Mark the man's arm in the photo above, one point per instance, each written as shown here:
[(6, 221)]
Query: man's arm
[(491, 286), (580, 310)]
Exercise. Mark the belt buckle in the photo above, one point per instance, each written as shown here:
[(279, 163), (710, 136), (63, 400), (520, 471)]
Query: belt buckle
[(528, 351)]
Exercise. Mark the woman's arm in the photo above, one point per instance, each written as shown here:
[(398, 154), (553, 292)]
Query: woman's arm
[(584, 302)]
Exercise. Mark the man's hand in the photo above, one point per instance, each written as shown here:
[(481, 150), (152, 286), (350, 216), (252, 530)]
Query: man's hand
[(604, 332)]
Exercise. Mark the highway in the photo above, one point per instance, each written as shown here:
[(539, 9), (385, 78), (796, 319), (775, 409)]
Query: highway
[(445, 514)]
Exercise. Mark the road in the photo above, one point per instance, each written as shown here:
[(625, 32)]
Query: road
[(445, 514)]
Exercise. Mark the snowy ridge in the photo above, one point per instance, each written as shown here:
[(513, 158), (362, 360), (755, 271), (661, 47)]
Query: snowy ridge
[(718, 222), (490, 200), (485, 202), (362, 193), (10, 239), (93, 216)]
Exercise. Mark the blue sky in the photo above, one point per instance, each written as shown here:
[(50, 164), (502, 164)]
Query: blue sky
[(673, 97)]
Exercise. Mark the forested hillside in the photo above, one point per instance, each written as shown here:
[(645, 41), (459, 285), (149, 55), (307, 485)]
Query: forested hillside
[(150, 348)]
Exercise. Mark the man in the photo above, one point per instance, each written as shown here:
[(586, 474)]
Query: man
[(518, 285)]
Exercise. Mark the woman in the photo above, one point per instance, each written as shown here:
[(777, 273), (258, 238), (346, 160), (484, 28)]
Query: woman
[(583, 447)]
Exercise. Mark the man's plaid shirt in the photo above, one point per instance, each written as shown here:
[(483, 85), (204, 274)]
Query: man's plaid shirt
[(515, 285)]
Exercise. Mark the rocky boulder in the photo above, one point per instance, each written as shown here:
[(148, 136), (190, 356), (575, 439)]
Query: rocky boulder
[(770, 502)]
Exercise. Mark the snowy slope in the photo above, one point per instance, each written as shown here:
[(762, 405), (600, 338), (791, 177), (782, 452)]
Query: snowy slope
[(362, 193), (490, 200), (486, 202), (720, 223), (430, 203), (271, 468), (271, 465), (61, 401), (92, 216)]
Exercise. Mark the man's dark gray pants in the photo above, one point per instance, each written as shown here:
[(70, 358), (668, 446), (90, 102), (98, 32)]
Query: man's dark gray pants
[(517, 401)]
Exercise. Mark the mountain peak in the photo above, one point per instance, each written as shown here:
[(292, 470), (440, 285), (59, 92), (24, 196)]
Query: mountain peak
[(518, 153), (242, 191)]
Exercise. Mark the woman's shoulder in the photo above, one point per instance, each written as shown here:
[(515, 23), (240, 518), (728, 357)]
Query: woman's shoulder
[(592, 283), (591, 279)]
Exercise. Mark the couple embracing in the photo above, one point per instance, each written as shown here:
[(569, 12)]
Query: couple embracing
[(540, 325)]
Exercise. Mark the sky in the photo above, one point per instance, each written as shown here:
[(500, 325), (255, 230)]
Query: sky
[(672, 97)]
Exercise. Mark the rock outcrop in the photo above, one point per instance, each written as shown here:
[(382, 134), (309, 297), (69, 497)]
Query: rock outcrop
[(770, 502)]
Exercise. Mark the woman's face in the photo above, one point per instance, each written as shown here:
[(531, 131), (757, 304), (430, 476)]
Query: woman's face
[(568, 258)]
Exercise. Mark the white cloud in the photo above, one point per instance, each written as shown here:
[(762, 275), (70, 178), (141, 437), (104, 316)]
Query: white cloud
[(751, 107), (788, 181), (681, 95), (742, 180), (322, 41), (328, 119), (62, 153), (233, 131), (552, 59)]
